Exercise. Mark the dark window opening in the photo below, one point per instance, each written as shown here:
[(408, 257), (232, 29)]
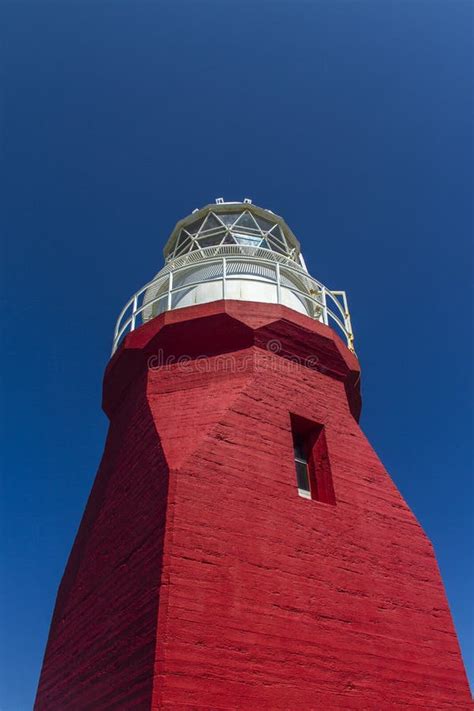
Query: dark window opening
[(313, 471), (301, 464)]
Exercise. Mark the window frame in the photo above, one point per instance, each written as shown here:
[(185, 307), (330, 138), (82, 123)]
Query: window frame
[(309, 438)]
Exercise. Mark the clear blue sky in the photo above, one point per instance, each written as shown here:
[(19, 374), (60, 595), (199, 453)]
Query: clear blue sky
[(351, 119)]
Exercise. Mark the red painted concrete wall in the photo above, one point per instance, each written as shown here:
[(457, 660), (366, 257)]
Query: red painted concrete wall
[(201, 580), (101, 645)]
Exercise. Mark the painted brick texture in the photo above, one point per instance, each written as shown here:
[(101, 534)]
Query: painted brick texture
[(101, 645), (199, 578)]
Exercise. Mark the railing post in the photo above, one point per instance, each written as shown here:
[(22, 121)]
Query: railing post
[(325, 306), (278, 283), (347, 323), (170, 289), (224, 267), (134, 311), (114, 342)]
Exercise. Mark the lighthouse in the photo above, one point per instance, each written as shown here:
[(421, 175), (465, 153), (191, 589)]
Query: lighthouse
[(243, 546)]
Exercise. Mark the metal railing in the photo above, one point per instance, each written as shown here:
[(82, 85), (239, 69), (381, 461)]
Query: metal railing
[(163, 293)]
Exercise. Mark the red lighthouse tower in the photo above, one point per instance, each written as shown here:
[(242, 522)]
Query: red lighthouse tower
[(243, 546)]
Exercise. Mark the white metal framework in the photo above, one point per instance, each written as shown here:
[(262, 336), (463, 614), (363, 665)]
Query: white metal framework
[(232, 224), (234, 251)]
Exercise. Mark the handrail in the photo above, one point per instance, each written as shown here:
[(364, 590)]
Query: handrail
[(209, 254), (161, 288)]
